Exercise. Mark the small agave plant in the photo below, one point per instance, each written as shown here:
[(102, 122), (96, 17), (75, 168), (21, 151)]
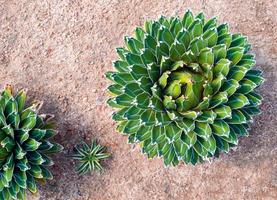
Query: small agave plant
[(89, 157), (24, 145), (184, 88)]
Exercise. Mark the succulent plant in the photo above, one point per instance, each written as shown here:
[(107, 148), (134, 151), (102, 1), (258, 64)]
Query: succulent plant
[(24, 145), (89, 157), (184, 88)]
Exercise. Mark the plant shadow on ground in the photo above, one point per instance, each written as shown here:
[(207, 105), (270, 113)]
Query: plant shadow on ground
[(68, 136)]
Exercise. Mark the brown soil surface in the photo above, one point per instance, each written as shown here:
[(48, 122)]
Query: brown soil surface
[(60, 50)]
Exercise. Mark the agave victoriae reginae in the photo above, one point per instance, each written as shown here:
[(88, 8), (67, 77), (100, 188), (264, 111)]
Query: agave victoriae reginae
[(24, 145), (184, 88), (89, 157)]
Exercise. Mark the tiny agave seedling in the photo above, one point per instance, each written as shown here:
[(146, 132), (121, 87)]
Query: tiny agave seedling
[(24, 145), (89, 157), (184, 88)]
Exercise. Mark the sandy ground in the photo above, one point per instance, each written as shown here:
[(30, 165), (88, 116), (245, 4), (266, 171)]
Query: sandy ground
[(60, 50)]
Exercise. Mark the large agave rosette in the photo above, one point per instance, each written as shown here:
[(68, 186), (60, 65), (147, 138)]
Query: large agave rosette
[(24, 146), (184, 88)]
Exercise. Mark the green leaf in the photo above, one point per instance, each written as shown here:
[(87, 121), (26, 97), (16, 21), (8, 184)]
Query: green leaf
[(31, 184), (237, 101), (257, 79), (46, 173), (191, 157), (203, 130), (230, 86), (23, 164), (238, 40), (165, 35), (31, 145), (139, 34), (157, 132), (11, 107), (223, 29), (148, 117), (239, 129), (138, 71), (234, 54), (254, 98), (220, 128), (130, 113), (148, 56), (166, 64), (35, 158), (35, 171), (37, 134), (246, 86), (172, 132), (237, 118), (20, 178), (190, 114), (200, 150), (133, 45), (134, 59), (251, 110), (187, 19), (211, 36), (124, 100), (169, 103), (175, 26), (153, 71), (21, 135), (14, 120), (55, 148), (115, 89), (218, 99), (207, 116), (222, 67), (211, 23), (217, 83), (121, 53), (197, 44), (196, 28), (132, 126), (176, 51), (143, 133), (173, 89), (209, 144), (225, 39), (180, 148), (206, 56), (142, 100), (189, 138), (219, 52), (150, 42), (184, 38), (233, 138), (223, 112), (222, 144), (19, 152), (186, 125), (237, 72)]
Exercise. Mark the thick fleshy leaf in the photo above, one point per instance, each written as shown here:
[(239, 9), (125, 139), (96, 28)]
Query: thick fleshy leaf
[(203, 130), (220, 128), (237, 101), (189, 138), (237, 118), (223, 112)]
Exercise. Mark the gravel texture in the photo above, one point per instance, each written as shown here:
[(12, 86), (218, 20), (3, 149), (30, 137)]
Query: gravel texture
[(60, 50)]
